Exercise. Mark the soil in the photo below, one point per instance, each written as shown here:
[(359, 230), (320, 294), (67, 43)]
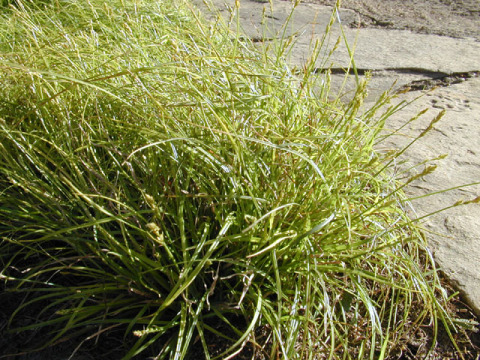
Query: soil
[(453, 18)]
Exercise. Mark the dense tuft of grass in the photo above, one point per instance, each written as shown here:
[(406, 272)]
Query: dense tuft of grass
[(163, 179)]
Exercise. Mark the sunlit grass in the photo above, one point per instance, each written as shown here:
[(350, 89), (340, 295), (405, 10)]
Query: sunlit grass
[(161, 177)]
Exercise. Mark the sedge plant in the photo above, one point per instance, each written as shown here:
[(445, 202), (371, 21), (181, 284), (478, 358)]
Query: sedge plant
[(165, 182)]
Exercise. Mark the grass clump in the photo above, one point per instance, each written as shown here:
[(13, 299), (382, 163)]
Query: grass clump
[(164, 183)]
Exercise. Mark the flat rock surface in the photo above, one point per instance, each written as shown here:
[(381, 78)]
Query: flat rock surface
[(431, 50), (454, 234)]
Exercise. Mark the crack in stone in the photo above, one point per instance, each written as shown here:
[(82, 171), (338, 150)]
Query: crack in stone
[(443, 81), (432, 79), (398, 70), (367, 20)]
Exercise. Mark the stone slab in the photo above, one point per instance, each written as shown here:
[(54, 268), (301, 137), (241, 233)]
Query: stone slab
[(375, 49), (454, 234)]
